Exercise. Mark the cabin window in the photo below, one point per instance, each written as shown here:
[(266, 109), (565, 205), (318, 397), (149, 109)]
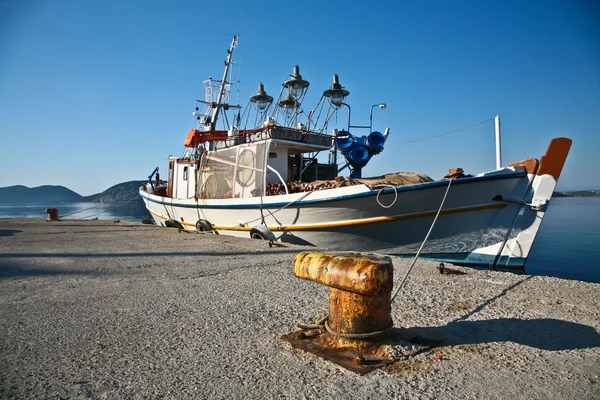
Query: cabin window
[(185, 173)]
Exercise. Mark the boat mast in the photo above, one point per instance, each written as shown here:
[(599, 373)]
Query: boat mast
[(215, 114), (498, 148)]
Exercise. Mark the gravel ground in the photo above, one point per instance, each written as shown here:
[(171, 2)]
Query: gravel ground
[(97, 309)]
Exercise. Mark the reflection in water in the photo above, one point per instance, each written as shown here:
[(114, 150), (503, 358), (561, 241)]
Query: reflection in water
[(131, 212)]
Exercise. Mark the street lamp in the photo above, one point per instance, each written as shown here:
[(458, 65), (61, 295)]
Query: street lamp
[(381, 106)]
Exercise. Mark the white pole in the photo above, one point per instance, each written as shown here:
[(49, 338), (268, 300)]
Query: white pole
[(498, 151)]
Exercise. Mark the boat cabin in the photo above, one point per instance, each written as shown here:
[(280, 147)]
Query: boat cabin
[(248, 163)]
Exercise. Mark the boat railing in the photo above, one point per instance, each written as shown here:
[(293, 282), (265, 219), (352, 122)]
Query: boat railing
[(276, 132)]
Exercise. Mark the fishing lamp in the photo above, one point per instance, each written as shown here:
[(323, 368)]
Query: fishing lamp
[(336, 94), (289, 104), (261, 99), (296, 84)]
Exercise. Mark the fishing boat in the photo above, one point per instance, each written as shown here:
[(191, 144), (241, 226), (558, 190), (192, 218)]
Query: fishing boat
[(271, 171)]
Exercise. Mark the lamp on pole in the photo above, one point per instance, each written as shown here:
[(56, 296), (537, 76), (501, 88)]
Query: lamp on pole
[(381, 106)]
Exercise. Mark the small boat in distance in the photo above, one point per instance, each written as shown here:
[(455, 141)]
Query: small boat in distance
[(271, 171)]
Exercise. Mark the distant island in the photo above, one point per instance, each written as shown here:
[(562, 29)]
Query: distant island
[(51, 194), (128, 192), (120, 193)]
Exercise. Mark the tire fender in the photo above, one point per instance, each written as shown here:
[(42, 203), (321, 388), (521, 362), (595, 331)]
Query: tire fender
[(204, 226), (173, 223), (261, 232)]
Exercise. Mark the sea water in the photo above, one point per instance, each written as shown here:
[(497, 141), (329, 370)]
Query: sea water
[(130, 212), (567, 245)]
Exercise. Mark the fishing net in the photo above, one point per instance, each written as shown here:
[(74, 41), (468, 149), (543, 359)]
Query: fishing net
[(237, 172)]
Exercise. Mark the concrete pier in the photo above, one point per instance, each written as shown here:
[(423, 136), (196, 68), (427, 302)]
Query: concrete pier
[(103, 309)]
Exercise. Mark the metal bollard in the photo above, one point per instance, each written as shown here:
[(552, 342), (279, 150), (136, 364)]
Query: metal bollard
[(360, 294), (52, 214), (357, 334)]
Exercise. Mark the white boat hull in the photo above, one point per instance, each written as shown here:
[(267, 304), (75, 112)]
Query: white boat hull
[(471, 229)]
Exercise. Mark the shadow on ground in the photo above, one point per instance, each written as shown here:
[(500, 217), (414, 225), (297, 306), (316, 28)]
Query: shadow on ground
[(146, 254), (15, 269), (546, 333), (9, 232)]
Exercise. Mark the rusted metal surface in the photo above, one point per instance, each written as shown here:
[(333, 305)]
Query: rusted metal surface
[(355, 313), (353, 272), (359, 356), (360, 360)]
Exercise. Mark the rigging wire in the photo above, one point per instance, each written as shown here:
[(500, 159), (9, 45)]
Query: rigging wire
[(447, 133)]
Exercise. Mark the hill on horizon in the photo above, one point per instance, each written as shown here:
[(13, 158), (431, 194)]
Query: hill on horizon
[(119, 193), (19, 194), (40, 194)]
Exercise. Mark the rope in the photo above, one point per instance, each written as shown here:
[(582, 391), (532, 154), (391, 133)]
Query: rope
[(321, 323), (448, 133), (422, 244), (270, 213), (99, 205), (322, 320), (359, 335), (395, 195), (111, 206)]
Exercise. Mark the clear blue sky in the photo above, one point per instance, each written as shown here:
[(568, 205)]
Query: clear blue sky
[(94, 93)]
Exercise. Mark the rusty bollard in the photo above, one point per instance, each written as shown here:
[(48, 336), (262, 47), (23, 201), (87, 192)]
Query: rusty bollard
[(52, 214), (360, 294), (356, 332)]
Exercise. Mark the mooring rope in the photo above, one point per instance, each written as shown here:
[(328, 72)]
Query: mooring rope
[(322, 324), (111, 206), (100, 205), (422, 244), (321, 321), (246, 223)]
